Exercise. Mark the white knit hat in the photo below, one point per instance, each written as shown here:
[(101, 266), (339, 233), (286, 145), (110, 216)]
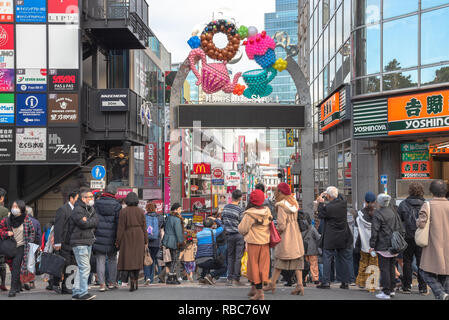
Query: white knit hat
[(383, 200)]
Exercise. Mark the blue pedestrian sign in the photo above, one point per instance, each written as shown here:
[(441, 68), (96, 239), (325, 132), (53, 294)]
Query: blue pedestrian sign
[(384, 179), (98, 172)]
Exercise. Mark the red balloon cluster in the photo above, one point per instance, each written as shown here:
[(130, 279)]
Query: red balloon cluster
[(238, 89)]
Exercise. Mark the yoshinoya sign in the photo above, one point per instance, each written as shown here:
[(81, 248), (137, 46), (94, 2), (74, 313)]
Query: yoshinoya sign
[(64, 144), (415, 160), (31, 144), (408, 114), (63, 79), (330, 112), (113, 99), (63, 108), (31, 110), (31, 80)]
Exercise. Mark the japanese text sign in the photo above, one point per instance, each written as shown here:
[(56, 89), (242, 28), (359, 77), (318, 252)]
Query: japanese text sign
[(330, 112)]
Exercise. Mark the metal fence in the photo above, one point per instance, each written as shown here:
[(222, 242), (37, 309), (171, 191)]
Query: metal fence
[(116, 9)]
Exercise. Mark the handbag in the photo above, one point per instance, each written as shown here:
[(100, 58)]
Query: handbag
[(422, 235), (52, 264), (275, 238), (8, 246), (147, 261), (398, 243)]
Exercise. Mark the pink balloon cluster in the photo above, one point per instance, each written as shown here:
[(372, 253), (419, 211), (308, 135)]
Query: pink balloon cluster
[(258, 45)]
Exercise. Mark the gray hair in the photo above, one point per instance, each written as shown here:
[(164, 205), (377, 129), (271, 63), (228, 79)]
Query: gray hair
[(332, 192), (29, 211), (111, 189), (383, 200)]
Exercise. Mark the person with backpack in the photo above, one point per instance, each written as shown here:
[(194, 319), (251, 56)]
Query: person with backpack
[(62, 241), (107, 209), (409, 212), (154, 224), (385, 223)]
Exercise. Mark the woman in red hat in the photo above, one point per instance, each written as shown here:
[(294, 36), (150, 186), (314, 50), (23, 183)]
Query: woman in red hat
[(255, 227), (289, 253)]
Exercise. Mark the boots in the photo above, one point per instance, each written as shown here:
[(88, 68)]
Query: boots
[(258, 296), (136, 284), (252, 292), (270, 286), (298, 290), (170, 279), (132, 285)]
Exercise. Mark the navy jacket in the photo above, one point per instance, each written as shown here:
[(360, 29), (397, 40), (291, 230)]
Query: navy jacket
[(107, 209)]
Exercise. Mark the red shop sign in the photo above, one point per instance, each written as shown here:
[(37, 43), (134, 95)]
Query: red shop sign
[(201, 168)]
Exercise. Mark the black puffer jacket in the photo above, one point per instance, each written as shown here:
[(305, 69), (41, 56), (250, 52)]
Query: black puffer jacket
[(82, 232), (409, 211), (384, 224), (107, 209)]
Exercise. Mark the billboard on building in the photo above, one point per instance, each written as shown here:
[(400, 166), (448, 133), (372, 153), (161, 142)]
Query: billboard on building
[(63, 108), (7, 109), (63, 46), (6, 144), (330, 112), (7, 80), (65, 11), (31, 80), (6, 11), (63, 80), (6, 59), (31, 109), (6, 37), (31, 144), (31, 11), (64, 144)]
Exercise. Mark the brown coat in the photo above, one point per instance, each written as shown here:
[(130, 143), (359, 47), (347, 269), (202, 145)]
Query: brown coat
[(291, 246), (435, 257), (255, 225), (132, 237)]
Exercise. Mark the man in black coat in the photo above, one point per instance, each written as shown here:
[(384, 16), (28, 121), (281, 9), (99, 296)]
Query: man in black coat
[(62, 241), (107, 209), (83, 222), (336, 237)]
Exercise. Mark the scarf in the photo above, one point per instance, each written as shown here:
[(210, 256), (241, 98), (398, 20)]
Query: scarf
[(15, 222)]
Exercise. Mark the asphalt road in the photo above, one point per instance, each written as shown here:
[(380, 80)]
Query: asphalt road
[(195, 291)]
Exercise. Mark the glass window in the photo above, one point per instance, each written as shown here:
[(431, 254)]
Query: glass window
[(367, 56), (320, 54), (332, 37), (435, 35), (315, 58), (320, 88), (331, 7), (325, 12), (366, 11), (315, 27), (432, 3), (332, 83), (400, 80), (400, 34), (326, 81), (393, 8), (339, 28), (435, 75), (347, 20), (311, 33), (320, 18), (367, 85), (326, 45)]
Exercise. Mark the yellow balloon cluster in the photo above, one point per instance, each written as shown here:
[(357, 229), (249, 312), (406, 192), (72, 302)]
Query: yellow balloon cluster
[(280, 65)]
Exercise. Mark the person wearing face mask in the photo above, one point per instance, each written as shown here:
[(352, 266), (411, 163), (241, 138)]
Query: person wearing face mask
[(83, 222), (19, 226), (363, 225)]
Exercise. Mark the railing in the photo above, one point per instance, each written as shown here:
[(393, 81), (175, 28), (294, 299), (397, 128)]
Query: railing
[(116, 9)]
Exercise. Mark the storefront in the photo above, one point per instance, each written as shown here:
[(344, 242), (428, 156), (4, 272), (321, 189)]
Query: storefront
[(412, 134)]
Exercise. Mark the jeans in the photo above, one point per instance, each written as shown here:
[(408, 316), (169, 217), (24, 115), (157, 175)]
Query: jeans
[(208, 265), (412, 251), (149, 270), (82, 256), (343, 264), (387, 274), (15, 272), (111, 260), (236, 248), (438, 283)]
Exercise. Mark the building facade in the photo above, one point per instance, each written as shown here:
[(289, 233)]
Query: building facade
[(379, 109)]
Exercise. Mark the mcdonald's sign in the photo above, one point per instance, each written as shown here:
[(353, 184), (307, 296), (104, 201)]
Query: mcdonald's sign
[(201, 168)]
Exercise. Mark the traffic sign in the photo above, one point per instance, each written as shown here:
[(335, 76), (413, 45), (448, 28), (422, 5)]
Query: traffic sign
[(98, 184), (384, 179), (98, 172)]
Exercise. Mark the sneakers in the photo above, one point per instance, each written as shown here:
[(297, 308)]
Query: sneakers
[(445, 297), (209, 279), (392, 294), (406, 291), (112, 286), (383, 296), (323, 286), (87, 296), (147, 282), (76, 297), (229, 283), (102, 288)]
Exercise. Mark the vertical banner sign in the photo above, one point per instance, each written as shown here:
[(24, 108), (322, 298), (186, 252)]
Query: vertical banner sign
[(6, 11), (6, 57), (64, 144), (6, 108), (31, 11), (330, 112), (6, 80), (31, 110), (64, 11), (7, 144), (167, 197), (167, 159), (63, 80), (290, 136), (31, 144), (151, 160), (415, 161)]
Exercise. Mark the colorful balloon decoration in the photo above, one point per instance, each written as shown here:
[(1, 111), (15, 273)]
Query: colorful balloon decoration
[(280, 65), (243, 32), (239, 89), (207, 40), (194, 42)]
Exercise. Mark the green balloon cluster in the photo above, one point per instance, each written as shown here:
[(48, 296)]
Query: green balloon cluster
[(243, 32)]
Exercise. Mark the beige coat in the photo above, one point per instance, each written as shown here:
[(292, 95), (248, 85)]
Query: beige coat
[(435, 257), (188, 254), (291, 246), (255, 225)]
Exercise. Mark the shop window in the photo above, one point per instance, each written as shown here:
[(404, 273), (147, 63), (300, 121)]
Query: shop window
[(118, 167)]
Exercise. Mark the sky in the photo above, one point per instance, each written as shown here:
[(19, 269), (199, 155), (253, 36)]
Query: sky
[(173, 21)]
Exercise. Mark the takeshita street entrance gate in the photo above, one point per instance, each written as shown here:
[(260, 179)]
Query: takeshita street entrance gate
[(214, 77)]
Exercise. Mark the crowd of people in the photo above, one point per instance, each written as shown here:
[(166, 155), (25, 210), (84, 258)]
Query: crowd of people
[(111, 241)]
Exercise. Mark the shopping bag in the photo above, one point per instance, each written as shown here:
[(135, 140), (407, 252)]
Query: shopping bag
[(243, 269), (52, 264), (31, 264), (148, 261)]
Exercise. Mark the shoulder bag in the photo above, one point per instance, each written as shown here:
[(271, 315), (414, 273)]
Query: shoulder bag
[(422, 235), (147, 261), (398, 243), (275, 238), (8, 246)]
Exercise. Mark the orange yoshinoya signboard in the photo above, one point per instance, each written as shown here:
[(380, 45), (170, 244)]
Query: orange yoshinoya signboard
[(330, 112), (419, 113)]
